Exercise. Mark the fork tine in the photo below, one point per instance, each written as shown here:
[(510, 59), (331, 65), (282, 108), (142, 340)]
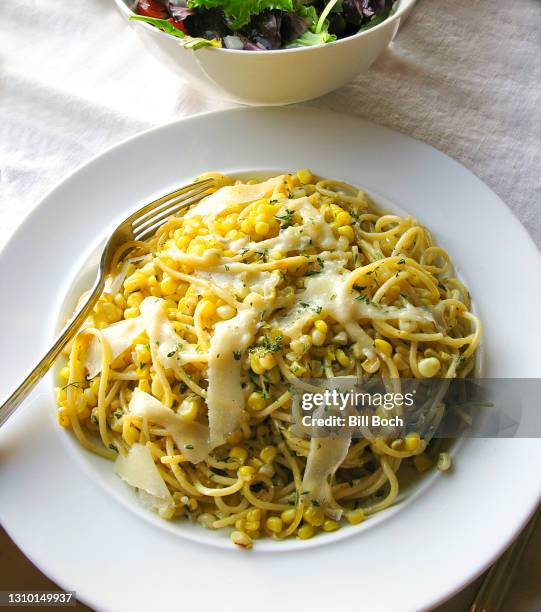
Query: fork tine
[(149, 227), (146, 210), (164, 211)]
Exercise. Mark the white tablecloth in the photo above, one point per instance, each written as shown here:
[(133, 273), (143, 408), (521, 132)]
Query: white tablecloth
[(462, 75)]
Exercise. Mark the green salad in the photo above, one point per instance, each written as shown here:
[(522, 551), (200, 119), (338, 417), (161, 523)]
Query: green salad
[(260, 25)]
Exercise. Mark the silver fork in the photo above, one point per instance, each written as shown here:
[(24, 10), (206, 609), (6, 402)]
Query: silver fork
[(138, 226)]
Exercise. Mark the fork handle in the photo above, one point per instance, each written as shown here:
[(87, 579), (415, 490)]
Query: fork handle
[(37, 373)]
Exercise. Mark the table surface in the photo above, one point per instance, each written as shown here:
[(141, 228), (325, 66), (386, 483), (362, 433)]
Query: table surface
[(462, 75)]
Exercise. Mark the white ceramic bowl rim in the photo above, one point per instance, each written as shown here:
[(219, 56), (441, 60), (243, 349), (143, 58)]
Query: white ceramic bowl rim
[(402, 6)]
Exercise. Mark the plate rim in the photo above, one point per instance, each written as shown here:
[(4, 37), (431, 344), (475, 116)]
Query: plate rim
[(25, 220)]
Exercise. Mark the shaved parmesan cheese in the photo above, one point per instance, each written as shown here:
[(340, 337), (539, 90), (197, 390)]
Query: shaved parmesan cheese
[(190, 437), (324, 458), (139, 470), (328, 292), (119, 336), (172, 350), (225, 398), (236, 194)]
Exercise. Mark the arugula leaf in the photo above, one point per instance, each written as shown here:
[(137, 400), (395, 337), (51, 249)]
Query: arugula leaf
[(241, 11)]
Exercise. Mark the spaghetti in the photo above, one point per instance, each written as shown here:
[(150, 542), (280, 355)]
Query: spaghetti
[(184, 373)]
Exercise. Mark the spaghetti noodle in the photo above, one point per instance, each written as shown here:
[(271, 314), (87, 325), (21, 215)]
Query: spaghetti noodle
[(184, 373)]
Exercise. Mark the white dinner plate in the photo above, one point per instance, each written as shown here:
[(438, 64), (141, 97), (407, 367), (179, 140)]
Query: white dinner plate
[(71, 516)]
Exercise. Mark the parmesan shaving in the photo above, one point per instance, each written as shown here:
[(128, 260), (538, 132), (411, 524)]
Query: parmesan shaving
[(225, 397), (191, 438)]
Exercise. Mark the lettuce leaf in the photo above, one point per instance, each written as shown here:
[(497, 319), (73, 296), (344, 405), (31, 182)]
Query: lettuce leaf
[(169, 28), (310, 38), (309, 13), (162, 24), (241, 11)]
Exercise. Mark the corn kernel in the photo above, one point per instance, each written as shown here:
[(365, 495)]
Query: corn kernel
[(188, 409), (355, 517), (288, 516), (321, 326), (342, 358), (318, 338), (63, 418), (241, 539), (268, 361), (252, 526), (239, 453), (429, 367), (112, 312), (240, 524), (129, 433), (65, 373), (262, 228), (347, 232), (90, 397), (131, 313), (246, 226), (382, 346), (256, 401), (135, 281), (305, 176), (314, 515), (343, 218), (225, 312), (207, 309), (234, 438), (135, 299), (305, 532), (268, 454), (120, 301), (168, 286), (299, 347), (274, 524), (255, 364), (412, 441), (444, 462), (253, 515), (206, 519), (247, 473), (298, 369), (330, 525)]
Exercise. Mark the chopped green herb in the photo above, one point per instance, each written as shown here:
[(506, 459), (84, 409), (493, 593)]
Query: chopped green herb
[(286, 219), (178, 346)]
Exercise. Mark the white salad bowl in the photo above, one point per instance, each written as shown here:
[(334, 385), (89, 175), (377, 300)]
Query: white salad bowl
[(276, 77)]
